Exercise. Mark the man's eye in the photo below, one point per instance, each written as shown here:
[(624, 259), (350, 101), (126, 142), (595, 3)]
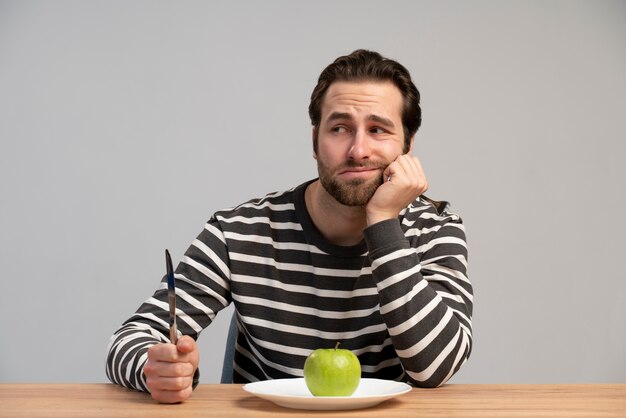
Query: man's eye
[(377, 131), (340, 129)]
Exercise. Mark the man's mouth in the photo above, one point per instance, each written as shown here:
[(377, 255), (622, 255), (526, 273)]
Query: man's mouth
[(359, 170), (360, 173)]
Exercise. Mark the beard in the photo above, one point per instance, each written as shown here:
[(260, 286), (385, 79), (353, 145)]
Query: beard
[(356, 192)]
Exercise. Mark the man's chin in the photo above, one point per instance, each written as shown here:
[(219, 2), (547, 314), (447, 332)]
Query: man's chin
[(353, 193)]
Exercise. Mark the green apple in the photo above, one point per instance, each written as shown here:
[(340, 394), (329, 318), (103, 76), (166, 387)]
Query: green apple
[(332, 372)]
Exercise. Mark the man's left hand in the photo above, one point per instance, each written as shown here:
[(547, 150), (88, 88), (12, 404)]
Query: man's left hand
[(403, 181)]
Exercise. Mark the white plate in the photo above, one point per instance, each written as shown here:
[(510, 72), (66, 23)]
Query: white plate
[(293, 393)]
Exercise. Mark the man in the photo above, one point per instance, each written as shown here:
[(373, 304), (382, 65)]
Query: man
[(358, 256)]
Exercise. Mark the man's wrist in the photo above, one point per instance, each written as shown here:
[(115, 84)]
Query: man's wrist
[(383, 235), (376, 217)]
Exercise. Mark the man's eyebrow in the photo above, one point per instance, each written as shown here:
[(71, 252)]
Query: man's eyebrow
[(340, 116), (382, 120), (375, 118)]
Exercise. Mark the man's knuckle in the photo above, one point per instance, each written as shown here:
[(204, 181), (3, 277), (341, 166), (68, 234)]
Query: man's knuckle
[(150, 382), (178, 383), (179, 369)]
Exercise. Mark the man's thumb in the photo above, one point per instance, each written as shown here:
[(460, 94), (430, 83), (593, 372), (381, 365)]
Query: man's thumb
[(186, 344)]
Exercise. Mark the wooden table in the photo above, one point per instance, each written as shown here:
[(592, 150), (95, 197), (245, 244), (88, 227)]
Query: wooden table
[(107, 400)]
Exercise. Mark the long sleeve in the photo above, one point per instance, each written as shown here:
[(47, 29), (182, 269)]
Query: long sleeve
[(406, 311), (202, 289), (425, 295)]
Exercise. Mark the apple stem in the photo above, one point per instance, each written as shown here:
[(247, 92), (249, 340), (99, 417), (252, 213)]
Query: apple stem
[(337, 345)]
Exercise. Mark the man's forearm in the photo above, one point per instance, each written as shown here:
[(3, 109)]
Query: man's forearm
[(429, 322)]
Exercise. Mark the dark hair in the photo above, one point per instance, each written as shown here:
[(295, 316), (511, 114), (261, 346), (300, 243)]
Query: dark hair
[(364, 65)]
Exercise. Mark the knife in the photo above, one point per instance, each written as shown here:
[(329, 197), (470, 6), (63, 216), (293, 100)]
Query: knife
[(171, 297)]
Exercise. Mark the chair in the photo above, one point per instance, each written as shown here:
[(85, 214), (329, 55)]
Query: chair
[(229, 351)]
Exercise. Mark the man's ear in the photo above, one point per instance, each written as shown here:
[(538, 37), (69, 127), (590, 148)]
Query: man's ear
[(313, 142), (410, 151)]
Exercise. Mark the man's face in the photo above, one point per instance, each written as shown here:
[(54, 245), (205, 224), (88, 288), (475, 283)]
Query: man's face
[(360, 134)]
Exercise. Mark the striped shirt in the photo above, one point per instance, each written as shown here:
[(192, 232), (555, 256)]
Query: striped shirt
[(400, 299)]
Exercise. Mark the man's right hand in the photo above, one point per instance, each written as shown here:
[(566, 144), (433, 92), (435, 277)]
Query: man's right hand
[(170, 369)]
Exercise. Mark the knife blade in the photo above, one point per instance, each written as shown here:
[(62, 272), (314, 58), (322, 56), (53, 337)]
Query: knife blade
[(171, 297)]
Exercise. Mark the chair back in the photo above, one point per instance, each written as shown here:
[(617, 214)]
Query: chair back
[(229, 351)]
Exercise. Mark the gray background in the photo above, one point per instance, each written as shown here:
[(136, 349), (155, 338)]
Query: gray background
[(124, 125)]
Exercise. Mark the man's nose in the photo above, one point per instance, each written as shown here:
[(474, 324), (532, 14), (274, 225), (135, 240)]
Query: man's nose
[(361, 147)]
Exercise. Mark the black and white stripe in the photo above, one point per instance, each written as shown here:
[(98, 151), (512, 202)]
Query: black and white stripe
[(401, 299)]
